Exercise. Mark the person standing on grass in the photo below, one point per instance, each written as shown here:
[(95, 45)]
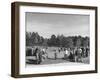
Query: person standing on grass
[(55, 55), (59, 50), (38, 55), (72, 55), (78, 55), (87, 52), (44, 54), (66, 54)]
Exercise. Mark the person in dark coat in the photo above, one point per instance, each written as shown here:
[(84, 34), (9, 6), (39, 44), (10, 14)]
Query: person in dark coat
[(38, 55), (78, 55)]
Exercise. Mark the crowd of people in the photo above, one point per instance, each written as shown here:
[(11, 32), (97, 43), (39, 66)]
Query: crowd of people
[(76, 54), (39, 53), (70, 54)]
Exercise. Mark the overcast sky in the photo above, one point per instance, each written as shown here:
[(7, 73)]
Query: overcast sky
[(47, 24)]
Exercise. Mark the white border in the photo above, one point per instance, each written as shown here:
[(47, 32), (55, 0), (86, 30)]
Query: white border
[(62, 67)]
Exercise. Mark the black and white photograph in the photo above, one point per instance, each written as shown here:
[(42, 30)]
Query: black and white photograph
[(53, 39)]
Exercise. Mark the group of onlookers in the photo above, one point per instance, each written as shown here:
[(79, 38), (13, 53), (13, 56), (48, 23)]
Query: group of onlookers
[(73, 54), (70, 54), (76, 54)]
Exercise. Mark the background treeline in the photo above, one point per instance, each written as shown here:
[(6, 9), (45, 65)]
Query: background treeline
[(33, 39)]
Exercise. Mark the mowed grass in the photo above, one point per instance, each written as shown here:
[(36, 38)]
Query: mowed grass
[(52, 50)]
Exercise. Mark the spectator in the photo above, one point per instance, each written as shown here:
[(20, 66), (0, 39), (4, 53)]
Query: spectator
[(66, 55), (78, 55), (55, 55), (38, 55)]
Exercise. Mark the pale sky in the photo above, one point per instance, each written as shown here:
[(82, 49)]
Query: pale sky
[(47, 24)]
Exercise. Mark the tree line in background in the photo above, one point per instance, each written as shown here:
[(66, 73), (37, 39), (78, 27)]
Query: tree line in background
[(33, 39)]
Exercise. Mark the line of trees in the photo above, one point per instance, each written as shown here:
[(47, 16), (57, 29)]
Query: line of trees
[(33, 39)]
